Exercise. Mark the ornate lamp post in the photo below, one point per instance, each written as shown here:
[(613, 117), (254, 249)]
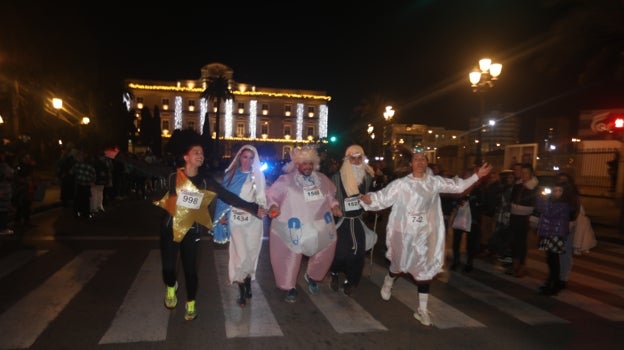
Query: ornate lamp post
[(387, 137), (481, 80), (84, 122)]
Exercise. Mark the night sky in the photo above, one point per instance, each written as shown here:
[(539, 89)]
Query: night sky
[(415, 54)]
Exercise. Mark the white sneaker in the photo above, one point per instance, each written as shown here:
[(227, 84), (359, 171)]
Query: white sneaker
[(386, 289), (423, 316)]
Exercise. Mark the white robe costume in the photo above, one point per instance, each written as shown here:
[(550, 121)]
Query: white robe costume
[(415, 233), (243, 230)]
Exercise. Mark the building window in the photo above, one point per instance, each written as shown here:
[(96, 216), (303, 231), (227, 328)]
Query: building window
[(310, 112), (287, 110), (190, 125), (165, 104), (287, 132), (191, 105), (240, 129), (165, 125), (310, 131), (265, 109), (241, 108), (139, 102), (264, 128)]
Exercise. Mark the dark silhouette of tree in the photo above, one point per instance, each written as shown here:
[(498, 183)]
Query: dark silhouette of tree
[(146, 128), (157, 142), (217, 91), (371, 110)]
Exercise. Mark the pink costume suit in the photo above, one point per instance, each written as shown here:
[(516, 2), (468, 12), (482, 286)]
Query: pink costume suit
[(305, 226), (415, 233)]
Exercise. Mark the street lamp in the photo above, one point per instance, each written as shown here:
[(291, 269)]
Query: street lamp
[(370, 130), (387, 137), (481, 80), (57, 103)]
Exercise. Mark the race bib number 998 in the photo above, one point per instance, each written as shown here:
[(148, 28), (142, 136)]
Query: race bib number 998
[(191, 200)]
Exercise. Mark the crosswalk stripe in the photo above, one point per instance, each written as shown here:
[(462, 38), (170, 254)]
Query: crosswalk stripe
[(12, 262), (254, 320), (342, 312), (586, 264), (29, 317), (443, 316), (587, 280), (142, 315), (593, 306), (526, 313)]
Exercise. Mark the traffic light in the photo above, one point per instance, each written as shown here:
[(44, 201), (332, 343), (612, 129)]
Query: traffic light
[(614, 123), (333, 139)]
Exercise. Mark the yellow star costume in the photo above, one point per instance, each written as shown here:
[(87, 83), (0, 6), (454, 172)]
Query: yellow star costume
[(185, 210)]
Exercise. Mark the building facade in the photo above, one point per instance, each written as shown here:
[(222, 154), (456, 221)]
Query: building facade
[(272, 119)]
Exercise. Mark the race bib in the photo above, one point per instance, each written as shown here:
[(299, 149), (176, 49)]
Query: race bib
[(416, 218), (352, 203), (312, 193), (240, 217), (191, 200)]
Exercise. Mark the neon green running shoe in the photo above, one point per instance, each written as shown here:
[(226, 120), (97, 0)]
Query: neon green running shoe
[(171, 300), (191, 313)]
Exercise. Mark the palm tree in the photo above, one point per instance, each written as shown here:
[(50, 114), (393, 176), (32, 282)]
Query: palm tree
[(217, 91), (371, 109)]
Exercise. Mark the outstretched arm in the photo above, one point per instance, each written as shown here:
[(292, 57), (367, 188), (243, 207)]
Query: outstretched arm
[(229, 197)]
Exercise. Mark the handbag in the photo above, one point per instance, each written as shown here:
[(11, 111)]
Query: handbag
[(584, 236), (463, 218)]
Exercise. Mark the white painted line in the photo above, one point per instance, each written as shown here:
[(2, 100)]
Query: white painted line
[(142, 316), (590, 305), (443, 315), (342, 312), (524, 312), (254, 320), (577, 277), (22, 324)]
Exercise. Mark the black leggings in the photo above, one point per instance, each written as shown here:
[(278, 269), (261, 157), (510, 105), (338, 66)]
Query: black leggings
[(519, 225), (189, 248), (552, 259), (423, 286)]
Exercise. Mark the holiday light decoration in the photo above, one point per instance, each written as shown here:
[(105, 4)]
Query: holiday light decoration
[(299, 132), (242, 93), (253, 117), (177, 113), (229, 107), (323, 119), (203, 109)]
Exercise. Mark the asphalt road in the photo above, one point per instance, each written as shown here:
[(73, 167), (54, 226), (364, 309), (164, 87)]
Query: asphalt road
[(95, 284)]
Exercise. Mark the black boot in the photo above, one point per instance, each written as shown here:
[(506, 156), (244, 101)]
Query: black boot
[(242, 300), (248, 287), (549, 288)]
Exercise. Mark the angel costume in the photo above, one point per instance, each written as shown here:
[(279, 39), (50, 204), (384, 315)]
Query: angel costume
[(415, 232), (243, 230), (305, 225)]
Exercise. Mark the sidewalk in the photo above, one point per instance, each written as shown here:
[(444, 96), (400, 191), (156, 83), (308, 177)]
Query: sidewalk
[(603, 212)]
